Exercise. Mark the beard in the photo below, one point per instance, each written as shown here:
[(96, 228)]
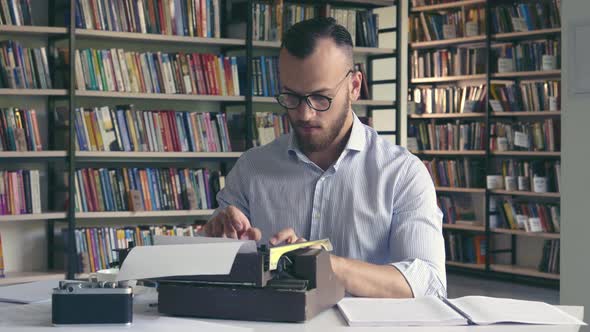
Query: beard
[(326, 134)]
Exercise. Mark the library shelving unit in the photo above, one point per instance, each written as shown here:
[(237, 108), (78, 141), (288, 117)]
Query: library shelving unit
[(509, 238), (70, 159)]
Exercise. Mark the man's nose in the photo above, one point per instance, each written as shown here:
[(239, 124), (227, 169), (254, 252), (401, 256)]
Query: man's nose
[(304, 111)]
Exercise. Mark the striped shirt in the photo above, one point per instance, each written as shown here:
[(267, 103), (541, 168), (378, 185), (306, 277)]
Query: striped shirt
[(376, 203)]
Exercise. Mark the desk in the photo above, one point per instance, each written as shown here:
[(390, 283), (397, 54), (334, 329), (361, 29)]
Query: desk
[(39, 316)]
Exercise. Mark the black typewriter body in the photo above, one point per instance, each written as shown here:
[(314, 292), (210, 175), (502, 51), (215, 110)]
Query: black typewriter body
[(302, 285)]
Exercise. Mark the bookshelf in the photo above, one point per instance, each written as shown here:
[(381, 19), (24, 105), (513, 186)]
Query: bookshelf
[(51, 33), (506, 248)]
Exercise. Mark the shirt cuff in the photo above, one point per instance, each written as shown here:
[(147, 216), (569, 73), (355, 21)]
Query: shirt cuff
[(422, 278)]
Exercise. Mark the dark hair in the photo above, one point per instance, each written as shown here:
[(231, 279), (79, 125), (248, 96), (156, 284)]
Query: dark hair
[(300, 40)]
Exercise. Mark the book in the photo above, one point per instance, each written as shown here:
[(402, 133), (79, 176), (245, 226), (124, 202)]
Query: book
[(439, 311)]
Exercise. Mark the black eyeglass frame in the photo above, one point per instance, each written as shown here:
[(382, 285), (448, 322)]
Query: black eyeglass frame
[(306, 97)]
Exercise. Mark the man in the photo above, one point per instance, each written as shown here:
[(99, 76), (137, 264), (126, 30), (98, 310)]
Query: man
[(334, 177)]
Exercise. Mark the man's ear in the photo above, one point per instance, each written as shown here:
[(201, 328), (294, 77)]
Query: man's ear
[(356, 82)]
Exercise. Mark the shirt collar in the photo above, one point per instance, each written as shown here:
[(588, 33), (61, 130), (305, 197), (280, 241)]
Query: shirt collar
[(356, 140)]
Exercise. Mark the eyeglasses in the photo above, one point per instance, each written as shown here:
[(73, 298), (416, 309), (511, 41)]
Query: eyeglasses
[(318, 102)]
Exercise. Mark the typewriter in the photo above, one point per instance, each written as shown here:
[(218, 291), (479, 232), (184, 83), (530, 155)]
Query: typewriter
[(290, 283)]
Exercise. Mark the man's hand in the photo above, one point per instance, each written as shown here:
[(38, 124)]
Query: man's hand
[(286, 236), (231, 223)]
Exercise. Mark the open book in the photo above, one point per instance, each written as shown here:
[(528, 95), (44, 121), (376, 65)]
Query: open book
[(434, 311)]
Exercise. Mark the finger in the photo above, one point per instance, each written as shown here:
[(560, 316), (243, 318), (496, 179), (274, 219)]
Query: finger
[(299, 240), (217, 225), (252, 234), (286, 235), (238, 220), (229, 230)]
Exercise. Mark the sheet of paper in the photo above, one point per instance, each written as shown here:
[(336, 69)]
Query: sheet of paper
[(489, 310), (247, 246), (209, 258), (29, 292), (424, 311)]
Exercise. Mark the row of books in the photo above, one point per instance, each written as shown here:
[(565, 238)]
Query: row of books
[(457, 209), (531, 217), (156, 72), (466, 173), (125, 129), (270, 126), (20, 192), (418, 3), (526, 56), (535, 96), (523, 174), (447, 25), (451, 99), (550, 258), (95, 245), (146, 189), (265, 79), (195, 18), (271, 20), (465, 248), (15, 12), (23, 67), (526, 16), (447, 137), (448, 62), (19, 130), (526, 136)]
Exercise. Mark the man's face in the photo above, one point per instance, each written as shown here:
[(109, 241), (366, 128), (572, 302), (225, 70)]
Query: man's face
[(323, 72)]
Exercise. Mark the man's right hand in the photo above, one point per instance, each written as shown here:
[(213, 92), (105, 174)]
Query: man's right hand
[(231, 223)]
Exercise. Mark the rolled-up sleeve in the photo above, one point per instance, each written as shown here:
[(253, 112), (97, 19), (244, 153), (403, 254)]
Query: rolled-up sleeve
[(416, 241)]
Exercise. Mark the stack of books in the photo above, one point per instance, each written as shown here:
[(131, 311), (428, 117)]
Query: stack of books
[(528, 170), (270, 126), (447, 25), (526, 56), (95, 245), (466, 173), (125, 129), (468, 60), (465, 248), (550, 260), (15, 13), (23, 67), (195, 18), (20, 192), (527, 96), (526, 136), (449, 137), (451, 99), (156, 72), (531, 217), (19, 130), (526, 16), (457, 209), (265, 79), (146, 189)]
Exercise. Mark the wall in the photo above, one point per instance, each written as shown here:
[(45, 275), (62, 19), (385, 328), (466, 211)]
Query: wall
[(575, 262)]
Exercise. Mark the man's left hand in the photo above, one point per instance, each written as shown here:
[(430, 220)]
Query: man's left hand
[(286, 236)]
